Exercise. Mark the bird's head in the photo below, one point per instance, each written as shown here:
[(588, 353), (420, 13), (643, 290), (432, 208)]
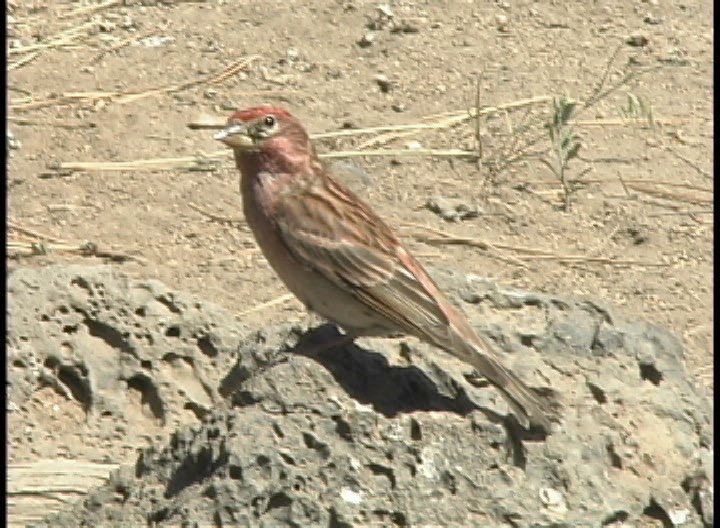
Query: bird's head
[(269, 136)]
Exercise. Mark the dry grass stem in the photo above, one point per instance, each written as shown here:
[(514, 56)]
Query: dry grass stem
[(90, 9), (87, 249), (448, 238), (676, 197), (685, 212), (133, 38), (14, 226), (204, 162), (445, 238), (215, 217), (23, 61), (690, 162), (186, 162), (283, 299), (440, 153), (134, 95), (469, 114), (62, 39)]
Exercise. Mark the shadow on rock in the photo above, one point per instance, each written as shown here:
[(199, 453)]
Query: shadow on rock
[(370, 379)]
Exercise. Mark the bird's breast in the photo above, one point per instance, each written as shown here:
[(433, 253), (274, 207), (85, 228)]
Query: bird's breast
[(314, 290)]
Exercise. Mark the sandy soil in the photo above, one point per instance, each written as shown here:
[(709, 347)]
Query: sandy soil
[(638, 234)]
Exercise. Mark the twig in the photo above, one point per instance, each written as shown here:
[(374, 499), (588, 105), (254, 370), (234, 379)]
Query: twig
[(134, 95), (87, 249), (186, 162), (207, 122), (215, 217), (687, 212), (90, 9), (617, 122), (492, 109), (35, 234), (529, 253), (269, 304), (451, 239), (634, 180), (658, 193), (440, 153), (59, 40), (373, 130), (669, 184), (228, 72), (690, 162), (201, 162), (478, 139), (214, 123), (90, 249), (622, 182), (97, 58), (452, 119), (23, 61), (23, 121)]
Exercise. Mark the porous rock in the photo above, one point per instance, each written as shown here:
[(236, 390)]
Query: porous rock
[(381, 432)]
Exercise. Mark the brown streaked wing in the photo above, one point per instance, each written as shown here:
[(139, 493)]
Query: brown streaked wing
[(328, 229)]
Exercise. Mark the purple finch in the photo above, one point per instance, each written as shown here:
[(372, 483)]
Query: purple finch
[(340, 259)]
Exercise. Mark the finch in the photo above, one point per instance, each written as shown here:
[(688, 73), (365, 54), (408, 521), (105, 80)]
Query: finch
[(340, 259)]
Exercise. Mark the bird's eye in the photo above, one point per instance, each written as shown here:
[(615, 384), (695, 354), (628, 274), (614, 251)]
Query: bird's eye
[(269, 121)]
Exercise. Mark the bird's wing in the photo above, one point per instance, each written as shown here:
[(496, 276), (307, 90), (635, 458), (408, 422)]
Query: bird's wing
[(330, 230)]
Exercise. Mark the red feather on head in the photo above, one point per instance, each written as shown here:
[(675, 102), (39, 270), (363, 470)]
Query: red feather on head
[(250, 114), (287, 150)]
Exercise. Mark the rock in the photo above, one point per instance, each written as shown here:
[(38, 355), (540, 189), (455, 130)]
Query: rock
[(378, 432), (11, 142), (452, 210), (637, 40), (502, 21), (384, 83), (366, 40), (97, 336)]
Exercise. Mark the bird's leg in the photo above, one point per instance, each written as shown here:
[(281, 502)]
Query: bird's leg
[(313, 348)]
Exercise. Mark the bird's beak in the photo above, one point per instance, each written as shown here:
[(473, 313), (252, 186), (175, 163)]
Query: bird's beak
[(236, 136)]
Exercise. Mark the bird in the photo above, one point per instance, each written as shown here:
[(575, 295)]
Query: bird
[(341, 259)]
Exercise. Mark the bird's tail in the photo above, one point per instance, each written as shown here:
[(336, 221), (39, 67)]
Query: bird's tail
[(526, 404)]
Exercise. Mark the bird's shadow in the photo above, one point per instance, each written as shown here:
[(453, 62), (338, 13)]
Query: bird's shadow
[(367, 376)]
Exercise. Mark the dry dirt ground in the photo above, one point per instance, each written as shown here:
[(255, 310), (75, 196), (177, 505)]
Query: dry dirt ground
[(120, 82)]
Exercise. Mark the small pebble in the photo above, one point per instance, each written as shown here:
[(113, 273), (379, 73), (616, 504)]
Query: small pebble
[(12, 142), (107, 26), (383, 82), (679, 517), (366, 40), (384, 10), (292, 54), (413, 145), (553, 499), (452, 210), (637, 40)]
